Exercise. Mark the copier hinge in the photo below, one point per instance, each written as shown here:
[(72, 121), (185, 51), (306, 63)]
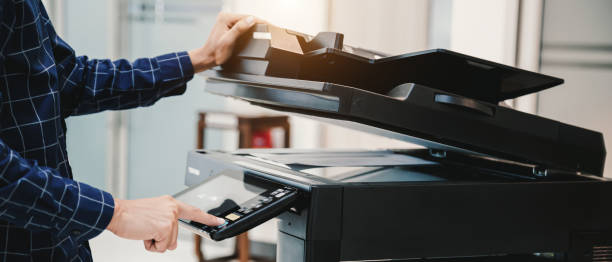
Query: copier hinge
[(540, 171), (437, 153)]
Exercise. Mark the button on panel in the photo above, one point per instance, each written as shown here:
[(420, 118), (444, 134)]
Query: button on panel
[(281, 195), (232, 216), (222, 225)]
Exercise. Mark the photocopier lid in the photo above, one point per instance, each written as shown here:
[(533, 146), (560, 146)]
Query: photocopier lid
[(437, 98), (278, 52)]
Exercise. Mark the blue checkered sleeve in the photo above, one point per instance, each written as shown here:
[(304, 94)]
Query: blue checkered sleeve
[(97, 85), (37, 198)]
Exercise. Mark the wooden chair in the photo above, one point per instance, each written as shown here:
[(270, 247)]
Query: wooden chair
[(247, 126)]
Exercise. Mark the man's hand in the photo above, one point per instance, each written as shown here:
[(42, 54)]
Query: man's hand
[(155, 220), (220, 43)]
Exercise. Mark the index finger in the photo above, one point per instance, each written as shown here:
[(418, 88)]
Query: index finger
[(232, 18), (189, 212)]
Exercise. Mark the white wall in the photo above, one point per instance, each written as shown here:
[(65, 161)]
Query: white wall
[(308, 17), (529, 47), (160, 136), (485, 29), (440, 14), (393, 27), (577, 46)]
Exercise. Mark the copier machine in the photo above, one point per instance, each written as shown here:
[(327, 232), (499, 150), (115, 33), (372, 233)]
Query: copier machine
[(488, 184)]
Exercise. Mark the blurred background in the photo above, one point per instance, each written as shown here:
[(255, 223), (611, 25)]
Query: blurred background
[(142, 152)]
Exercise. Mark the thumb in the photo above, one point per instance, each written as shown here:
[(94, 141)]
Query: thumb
[(195, 214), (240, 28), (226, 44)]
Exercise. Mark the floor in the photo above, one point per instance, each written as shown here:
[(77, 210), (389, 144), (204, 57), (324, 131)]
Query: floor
[(108, 247)]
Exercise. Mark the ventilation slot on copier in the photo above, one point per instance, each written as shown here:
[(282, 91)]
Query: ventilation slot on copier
[(601, 254)]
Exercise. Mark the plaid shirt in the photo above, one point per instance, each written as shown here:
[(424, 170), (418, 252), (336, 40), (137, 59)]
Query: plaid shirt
[(44, 214)]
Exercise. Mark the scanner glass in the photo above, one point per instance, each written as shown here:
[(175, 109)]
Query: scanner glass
[(222, 193), (373, 174)]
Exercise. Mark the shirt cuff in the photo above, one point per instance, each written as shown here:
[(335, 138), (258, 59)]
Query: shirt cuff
[(92, 215), (176, 71)]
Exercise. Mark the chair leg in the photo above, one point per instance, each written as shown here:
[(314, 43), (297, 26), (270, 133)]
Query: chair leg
[(198, 247), (243, 247), (241, 252)]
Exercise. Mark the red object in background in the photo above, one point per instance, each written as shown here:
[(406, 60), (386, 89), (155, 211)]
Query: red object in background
[(262, 139)]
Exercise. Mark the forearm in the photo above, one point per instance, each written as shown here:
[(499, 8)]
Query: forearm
[(201, 59), (93, 85)]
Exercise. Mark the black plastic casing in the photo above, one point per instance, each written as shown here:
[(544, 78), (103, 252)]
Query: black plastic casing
[(439, 98), (336, 221), (416, 113)]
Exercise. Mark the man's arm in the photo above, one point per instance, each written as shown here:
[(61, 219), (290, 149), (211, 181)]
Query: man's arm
[(38, 199), (94, 85)]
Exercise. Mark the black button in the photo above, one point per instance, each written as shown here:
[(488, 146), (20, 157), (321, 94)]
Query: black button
[(76, 232)]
